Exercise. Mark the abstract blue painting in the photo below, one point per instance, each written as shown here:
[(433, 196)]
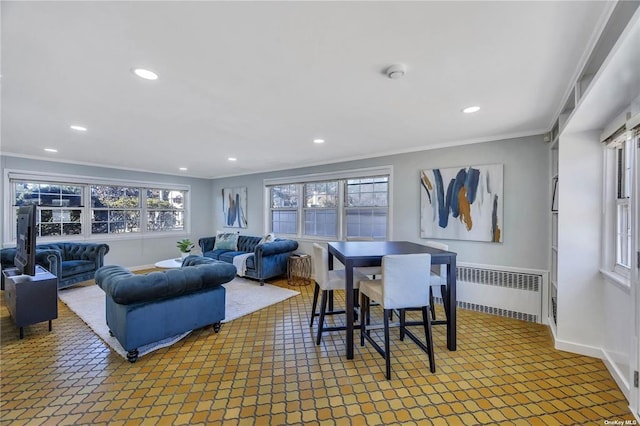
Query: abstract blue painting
[(462, 203), (234, 207)]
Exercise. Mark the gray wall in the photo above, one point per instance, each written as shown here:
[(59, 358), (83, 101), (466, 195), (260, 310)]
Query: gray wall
[(127, 251), (526, 197), (526, 200)]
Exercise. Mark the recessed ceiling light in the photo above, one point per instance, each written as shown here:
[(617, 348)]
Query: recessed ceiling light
[(471, 109), (183, 169), (232, 159), (146, 74), (318, 141), (78, 128), (51, 150)]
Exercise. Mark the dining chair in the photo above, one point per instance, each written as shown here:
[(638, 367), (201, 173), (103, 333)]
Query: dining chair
[(327, 281), (438, 280), (402, 286)]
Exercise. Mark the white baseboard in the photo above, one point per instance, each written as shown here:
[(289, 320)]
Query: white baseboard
[(617, 375), (578, 348)]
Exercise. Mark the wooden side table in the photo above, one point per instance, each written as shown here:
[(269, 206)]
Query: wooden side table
[(299, 269)]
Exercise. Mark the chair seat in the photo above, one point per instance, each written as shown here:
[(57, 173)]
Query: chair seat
[(373, 290), (369, 270), (337, 280)]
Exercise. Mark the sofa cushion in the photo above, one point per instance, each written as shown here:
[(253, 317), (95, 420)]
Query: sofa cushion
[(215, 254), (226, 241), (75, 267), (229, 255)]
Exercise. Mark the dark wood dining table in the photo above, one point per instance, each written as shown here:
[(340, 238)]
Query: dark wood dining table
[(353, 254)]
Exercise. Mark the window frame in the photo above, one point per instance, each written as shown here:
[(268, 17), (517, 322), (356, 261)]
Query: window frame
[(341, 208), (618, 193), (12, 175)]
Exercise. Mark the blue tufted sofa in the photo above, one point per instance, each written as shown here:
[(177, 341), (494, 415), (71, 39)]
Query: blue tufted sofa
[(269, 259), (70, 262), (142, 309)]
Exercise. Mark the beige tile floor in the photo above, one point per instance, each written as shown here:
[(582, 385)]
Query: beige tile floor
[(264, 369)]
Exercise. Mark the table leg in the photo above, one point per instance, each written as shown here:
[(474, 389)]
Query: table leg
[(350, 307), (451, 301)]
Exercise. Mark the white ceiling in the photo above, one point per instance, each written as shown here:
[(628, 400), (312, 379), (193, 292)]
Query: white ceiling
[(260, 80)]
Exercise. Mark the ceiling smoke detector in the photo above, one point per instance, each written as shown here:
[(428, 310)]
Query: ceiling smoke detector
[(396, 71)]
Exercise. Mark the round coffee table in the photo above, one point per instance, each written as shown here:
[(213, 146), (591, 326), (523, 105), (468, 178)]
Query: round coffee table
[(169, 263)]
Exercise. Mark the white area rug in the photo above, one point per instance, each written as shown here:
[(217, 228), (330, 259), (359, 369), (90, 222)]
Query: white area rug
[(242, 298), (246, 296)]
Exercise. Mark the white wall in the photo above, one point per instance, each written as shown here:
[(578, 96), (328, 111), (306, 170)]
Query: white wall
[(579, 235), (526, 197), (124, 250)]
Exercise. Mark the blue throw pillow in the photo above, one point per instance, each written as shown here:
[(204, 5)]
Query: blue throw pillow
[(226, 241)]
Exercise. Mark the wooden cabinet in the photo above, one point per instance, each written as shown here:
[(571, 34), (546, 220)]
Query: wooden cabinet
[(31, 299)]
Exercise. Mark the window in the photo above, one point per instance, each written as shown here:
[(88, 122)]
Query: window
[(623, 206), (115, 209), (321, 209), (87, 209), (165, 210), (366, 206), (349, 205), (60, 212), (284, 209), (617, 224)]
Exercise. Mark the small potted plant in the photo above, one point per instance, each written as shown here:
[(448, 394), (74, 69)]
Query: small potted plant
[(185, 247)]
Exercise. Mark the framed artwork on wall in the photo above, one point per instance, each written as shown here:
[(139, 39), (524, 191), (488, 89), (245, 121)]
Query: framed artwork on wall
[(234, 207), (462, 203)]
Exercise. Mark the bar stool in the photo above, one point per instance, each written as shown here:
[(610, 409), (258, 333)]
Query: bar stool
[(327, 281), (403, 285), (438, 280)]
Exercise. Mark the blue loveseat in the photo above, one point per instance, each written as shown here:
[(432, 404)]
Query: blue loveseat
[(71, 262), (143, 309), (268, 260)]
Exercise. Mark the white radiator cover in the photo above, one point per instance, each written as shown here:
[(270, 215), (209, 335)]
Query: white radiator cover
[(499, 290)]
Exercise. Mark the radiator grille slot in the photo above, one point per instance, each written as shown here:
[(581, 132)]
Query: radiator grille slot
[(506, 293), (492, 310), (508, 279)]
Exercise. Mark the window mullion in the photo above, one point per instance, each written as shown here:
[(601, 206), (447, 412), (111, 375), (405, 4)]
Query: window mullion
[(144, 215)]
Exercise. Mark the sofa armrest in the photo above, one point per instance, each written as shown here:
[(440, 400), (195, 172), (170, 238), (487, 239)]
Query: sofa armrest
[(96, 252), (51, 260), (6, 257), (206, 244), (276, 247)]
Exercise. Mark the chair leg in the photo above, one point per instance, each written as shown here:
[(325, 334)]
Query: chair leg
[(402, 323), (445, 298), (364, 311), (316, 291), (432, 307), (323, 309), (331, 308), (387, 350), (429, 337)]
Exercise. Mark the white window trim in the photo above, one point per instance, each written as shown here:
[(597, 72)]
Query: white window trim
[(609, 266), (10, 219), (336, 175)]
